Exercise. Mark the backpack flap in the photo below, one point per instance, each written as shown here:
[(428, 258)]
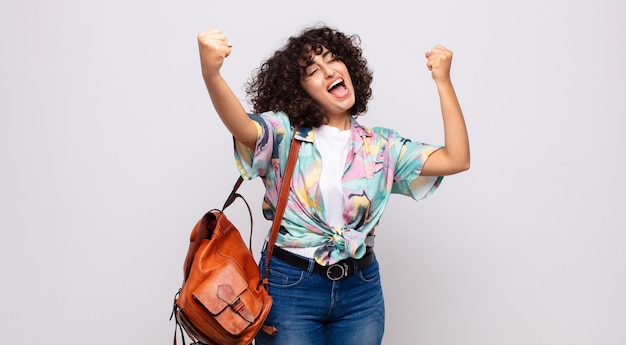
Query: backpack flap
[(225, 294)]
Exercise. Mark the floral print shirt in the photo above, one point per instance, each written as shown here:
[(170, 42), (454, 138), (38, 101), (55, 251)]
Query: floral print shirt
[(379, 162)]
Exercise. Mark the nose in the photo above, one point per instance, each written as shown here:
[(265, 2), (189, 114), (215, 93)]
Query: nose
[(328, 71)]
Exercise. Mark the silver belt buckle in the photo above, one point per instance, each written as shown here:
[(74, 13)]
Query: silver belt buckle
[(337, 271)]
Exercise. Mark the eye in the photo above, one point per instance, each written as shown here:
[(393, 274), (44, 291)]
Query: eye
[(311, 70)]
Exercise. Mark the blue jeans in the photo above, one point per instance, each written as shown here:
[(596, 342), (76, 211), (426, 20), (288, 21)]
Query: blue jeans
[(310, 309)]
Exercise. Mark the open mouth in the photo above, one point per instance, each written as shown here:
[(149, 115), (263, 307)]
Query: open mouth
[(337, 88)]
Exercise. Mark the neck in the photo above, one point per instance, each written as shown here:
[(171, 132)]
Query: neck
[(340, 122)]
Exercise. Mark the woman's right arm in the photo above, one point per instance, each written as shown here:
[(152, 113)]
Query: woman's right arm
[(214, 48)]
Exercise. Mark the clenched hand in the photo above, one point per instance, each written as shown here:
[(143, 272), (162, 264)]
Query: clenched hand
[(214, 48)]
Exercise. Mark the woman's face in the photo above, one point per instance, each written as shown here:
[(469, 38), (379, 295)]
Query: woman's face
[(328, 82)]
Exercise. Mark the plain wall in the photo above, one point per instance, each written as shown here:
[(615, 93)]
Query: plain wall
[(110, 151)]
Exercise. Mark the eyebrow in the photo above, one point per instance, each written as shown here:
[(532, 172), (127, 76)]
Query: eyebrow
[(309, 60)]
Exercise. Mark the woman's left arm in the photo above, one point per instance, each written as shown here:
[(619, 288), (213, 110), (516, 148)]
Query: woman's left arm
[(455, 156)]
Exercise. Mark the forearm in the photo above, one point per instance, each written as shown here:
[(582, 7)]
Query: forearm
[(455, 132), (230, 110)]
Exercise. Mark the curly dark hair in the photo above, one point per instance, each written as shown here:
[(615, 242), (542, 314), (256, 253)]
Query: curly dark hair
[(276, 84)]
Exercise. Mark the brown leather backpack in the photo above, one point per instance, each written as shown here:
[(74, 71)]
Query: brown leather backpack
[(223, 299)]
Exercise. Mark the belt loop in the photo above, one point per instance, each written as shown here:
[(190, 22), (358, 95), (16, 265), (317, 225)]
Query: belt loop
[(309, 270)]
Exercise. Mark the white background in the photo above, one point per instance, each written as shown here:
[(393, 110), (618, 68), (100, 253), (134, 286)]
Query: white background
[(110, 152)]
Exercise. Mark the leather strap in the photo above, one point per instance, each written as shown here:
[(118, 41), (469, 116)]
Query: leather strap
[(282, 202)]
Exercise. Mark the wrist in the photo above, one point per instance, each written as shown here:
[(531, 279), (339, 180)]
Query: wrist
[(211, 76), (444, 83)]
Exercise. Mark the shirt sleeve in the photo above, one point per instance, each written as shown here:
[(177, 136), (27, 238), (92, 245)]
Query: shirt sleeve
[(411, 157), (256, 162)]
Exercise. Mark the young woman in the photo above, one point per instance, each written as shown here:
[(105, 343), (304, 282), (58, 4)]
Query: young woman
[(323, 274)]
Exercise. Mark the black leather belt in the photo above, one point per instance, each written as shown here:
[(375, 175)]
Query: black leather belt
[(335, 271)]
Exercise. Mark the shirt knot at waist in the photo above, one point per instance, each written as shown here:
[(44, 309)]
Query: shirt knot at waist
[(342, 244)]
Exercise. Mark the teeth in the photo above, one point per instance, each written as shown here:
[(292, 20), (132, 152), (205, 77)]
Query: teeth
[(335, 83)]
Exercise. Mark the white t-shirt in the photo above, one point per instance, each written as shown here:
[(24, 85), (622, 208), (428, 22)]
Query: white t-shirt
[(332, 145)]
